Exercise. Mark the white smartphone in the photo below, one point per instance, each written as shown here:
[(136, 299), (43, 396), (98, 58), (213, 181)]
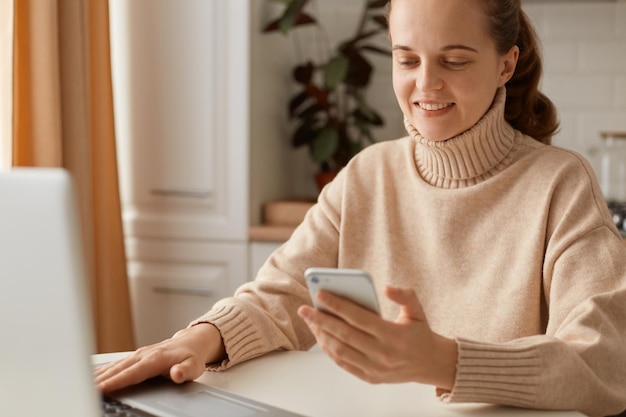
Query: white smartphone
[(353, 284)]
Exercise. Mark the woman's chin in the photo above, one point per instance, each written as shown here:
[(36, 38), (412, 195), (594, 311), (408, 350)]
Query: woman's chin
[(437, 137)]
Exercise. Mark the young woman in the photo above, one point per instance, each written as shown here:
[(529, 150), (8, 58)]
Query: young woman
[(501, 276)]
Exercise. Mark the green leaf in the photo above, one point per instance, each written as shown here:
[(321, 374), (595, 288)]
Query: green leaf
[(336, 71), (364, 108), (364, 111), (309, 112), (355, 147), (325, 144), (297, 101), (304, 73), (360, 69), (291, 13), (381, 21), (304, 134)]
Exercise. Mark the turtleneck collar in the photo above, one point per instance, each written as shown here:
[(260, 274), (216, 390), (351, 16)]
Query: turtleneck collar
[(472, 156)]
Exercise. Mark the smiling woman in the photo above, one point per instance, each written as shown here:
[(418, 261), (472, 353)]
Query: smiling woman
[(6, 79)]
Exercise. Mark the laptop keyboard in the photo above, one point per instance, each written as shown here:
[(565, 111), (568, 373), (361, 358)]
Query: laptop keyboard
[(114, 408)]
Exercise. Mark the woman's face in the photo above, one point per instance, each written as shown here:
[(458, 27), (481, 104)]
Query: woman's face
[(446, 69)]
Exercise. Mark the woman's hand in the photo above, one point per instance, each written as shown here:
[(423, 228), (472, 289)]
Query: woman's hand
[(181, 358), (380, 351)]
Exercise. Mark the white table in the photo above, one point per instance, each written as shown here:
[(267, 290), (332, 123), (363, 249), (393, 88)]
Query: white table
[(311, 384)]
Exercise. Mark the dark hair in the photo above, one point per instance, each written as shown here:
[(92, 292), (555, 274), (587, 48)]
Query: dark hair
[(527, 109)]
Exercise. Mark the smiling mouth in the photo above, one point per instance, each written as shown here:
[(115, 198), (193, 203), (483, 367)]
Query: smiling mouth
[(433, 107)]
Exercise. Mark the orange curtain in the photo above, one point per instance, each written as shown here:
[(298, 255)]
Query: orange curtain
[(63, 117)]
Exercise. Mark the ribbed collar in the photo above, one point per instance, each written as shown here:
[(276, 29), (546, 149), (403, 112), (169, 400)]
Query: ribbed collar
[(471, 157)]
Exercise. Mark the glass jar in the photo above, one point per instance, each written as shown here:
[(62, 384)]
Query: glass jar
[(613, 176), (613, 166)]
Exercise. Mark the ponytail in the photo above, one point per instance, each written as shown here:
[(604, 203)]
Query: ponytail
[(527, 109)]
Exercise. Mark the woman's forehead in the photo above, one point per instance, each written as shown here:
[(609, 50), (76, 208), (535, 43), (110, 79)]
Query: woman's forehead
[(437, 22)]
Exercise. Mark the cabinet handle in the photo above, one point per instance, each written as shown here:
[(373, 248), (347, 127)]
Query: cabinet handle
[(181, 193), (200, 292)]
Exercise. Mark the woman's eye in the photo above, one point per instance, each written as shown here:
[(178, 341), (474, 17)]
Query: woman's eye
[(407, 62), (455, 64)]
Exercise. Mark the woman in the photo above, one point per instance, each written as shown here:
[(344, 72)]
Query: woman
[(500, 274)]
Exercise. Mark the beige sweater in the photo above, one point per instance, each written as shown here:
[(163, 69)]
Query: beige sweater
[(508, 244)]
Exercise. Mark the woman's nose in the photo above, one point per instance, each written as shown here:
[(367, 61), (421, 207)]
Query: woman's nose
[(428, 78)]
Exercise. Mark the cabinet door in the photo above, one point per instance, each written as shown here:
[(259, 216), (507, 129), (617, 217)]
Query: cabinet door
[(259, 253), (180, 81), (174, 283)]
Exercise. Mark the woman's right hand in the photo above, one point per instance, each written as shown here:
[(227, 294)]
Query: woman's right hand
[(181, 358)]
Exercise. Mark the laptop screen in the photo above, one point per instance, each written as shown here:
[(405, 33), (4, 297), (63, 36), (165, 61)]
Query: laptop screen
[(46, 323)]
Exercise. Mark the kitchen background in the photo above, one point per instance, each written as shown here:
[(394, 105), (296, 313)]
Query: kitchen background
[(202, 132), (585, 68), (584, 46)]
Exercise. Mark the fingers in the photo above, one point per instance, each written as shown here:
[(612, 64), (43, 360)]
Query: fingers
[(410, 307), (181, 358), (348, 311), (336, 337), (365, 355), (345, 321), (187, 370), (146, 363), (139, 366)]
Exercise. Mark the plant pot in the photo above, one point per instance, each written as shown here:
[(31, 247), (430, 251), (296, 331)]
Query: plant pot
[(324, 177)]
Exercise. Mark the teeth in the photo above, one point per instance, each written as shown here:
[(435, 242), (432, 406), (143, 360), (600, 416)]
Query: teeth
[(433, 107)]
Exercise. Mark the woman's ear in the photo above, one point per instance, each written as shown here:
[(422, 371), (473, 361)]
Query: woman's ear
[(509, 63)]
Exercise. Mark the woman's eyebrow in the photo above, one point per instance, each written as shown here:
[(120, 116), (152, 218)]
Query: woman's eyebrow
[(445, 48), (459, 46), (400, 48)]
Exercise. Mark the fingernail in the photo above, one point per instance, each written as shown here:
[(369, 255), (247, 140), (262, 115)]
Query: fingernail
[(306, 315)]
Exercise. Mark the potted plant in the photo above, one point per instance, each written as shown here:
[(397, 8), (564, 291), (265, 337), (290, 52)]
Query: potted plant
[(329, 109)]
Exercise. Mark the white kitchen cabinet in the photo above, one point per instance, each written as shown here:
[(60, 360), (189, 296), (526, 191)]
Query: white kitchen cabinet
[(181, 93), (174, 282), (259, 252), (181, 88)]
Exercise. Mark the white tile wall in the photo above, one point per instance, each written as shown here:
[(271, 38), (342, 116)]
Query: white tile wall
[(585, 69)]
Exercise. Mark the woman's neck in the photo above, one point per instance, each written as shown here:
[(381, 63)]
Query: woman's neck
[(470, 157)]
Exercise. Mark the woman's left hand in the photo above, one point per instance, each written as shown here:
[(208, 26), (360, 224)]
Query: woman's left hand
[(381, 351)]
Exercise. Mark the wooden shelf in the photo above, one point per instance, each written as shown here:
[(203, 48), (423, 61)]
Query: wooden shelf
[(280, 218)]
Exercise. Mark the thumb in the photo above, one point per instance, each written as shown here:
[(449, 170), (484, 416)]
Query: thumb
[(410, 307), (187, 370)]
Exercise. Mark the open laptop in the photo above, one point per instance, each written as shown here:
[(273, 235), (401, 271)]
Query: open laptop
[(45, 320)]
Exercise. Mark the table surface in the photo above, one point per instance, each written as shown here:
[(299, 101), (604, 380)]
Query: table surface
[(310, 383)]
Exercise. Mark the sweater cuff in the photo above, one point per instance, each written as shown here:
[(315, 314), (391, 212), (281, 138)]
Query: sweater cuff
[(496, 374), (240, 339)]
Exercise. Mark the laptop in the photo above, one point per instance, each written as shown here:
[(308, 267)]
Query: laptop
[(45, 318)]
